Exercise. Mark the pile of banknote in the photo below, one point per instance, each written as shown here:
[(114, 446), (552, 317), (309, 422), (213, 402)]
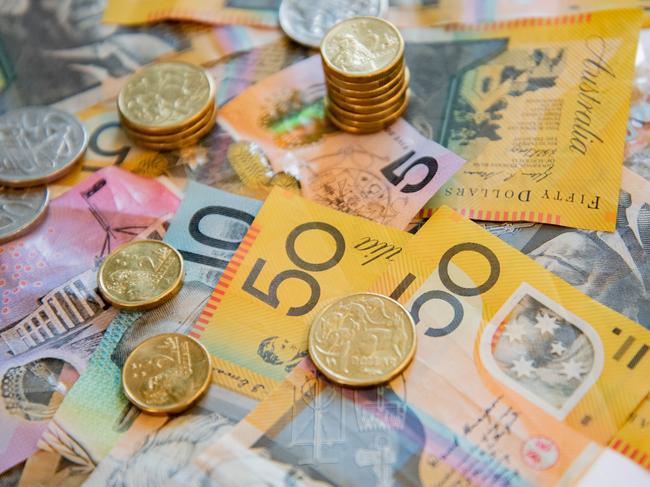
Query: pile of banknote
[(359, 242)]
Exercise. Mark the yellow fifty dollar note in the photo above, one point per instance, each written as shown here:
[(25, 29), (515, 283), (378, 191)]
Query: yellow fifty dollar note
[(296, 255), (633, 439), (538, 108), (496, 319), (127, 12)]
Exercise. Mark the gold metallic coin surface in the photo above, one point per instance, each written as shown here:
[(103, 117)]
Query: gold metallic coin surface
[(354, 127), (166, 97), (343, 114), (166, 373), (141, 274), (370, 97), (362, 339), (174, 144), (176, 136), (363, 48), (360, 85)]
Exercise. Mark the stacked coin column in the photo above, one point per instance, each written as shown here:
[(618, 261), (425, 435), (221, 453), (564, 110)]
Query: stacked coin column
[(365, 74)]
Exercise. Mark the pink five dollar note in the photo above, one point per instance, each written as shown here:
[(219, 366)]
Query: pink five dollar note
[(51, 317)]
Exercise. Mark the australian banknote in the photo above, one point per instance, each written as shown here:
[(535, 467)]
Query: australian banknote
[(637, 146), (62, 52), (423, 13), (524, 103), (385, 177), (206, 229), (209, 161), (252, 12), (154, 448), (296, 255), (612, 268), (80, 229), (55, 321), (526, 371)]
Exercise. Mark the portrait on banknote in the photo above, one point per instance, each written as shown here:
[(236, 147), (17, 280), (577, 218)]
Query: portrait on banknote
[(72, 51), (613, 268)]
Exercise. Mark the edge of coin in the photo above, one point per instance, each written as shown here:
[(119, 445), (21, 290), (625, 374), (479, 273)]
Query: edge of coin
[(186, 405), (369, 127), (379, 117), (361, 85), (189, 141), (369, 97), (141, 305), (176, 136), (30, 225), (63, 171), (363, 76), (364, 113), (167, 129), (364, 383)]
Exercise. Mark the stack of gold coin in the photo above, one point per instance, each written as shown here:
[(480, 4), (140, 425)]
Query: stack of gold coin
[(167, 106), (365, 73)]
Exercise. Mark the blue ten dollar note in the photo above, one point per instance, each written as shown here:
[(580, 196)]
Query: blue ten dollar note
[(207, 229)]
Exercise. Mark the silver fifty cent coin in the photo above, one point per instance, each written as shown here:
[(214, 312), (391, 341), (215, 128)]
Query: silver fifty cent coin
[(39, 145), (307, 22), (21, 210)]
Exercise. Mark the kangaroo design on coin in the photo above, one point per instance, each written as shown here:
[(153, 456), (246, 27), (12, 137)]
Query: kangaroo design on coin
[(20, 210), (166, 373), (39, 145), (141, 275), (363, 339)]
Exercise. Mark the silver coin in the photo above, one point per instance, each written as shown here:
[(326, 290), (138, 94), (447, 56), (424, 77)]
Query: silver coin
[(21, 210), (307, 22), (39, 145)]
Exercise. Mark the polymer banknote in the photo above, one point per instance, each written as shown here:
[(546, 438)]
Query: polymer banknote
[(296, 255), (531, 379), (206, 161), (310, 432), (62, 52), (407, 13), (206, 230), (53, 323), (251, 12), (154, 448), (637, 146), (537, 108), (612, 268), (385, 177)]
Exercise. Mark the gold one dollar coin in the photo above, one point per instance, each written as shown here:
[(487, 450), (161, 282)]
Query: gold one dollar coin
[(166, 373), (363, 339), (141, 275)]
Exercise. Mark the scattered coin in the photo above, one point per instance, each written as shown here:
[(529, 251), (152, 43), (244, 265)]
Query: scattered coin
[(141, 275), (362, 49), (166, 373), (365, 74), (166, 97), (39, 145), (307, 22), (167, 106), (363, 339), (21, 210)]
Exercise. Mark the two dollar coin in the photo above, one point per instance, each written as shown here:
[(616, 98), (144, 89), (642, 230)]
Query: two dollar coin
[(362, 340)]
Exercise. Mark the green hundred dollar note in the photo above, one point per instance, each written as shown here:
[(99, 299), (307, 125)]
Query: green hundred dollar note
[(207, 229)]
